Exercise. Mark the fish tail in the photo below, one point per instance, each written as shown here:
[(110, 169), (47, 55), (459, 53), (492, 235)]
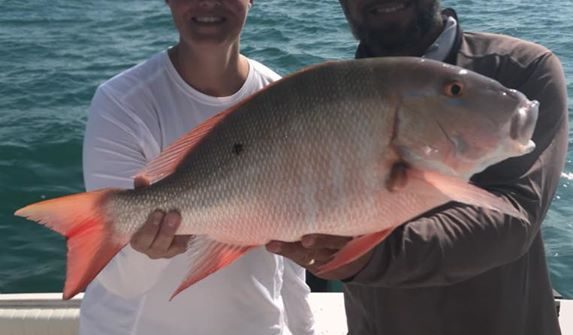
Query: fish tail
[(91, 241)]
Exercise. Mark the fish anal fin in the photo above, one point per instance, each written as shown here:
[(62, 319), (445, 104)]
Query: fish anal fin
[(170, 158), (354, 249), (206, 257), (89, 251)]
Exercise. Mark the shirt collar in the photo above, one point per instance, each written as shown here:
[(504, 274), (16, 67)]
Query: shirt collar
[(441, 48)]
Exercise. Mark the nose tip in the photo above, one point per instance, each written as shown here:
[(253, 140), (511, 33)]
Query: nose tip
[(523, 122)]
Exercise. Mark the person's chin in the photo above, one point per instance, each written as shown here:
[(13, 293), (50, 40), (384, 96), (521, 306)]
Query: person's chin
[(387, 38), (209, 39)]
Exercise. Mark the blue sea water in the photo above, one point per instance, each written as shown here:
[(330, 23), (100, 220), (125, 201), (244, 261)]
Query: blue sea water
[(53, 54)]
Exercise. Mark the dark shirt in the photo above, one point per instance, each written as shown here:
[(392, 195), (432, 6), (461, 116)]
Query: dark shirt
[(463, 270)]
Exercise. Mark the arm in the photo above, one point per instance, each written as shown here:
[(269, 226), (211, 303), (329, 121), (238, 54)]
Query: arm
[(295, 293), (457, 242), (116, 146)]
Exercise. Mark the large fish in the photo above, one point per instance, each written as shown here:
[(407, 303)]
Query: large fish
[(351, 148)]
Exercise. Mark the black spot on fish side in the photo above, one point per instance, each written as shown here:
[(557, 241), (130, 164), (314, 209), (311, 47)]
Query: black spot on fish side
[(237, 148)]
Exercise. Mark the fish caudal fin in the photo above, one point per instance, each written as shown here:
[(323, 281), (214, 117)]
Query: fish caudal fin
[(355, 249), (461, 191), (207, 256), (91, 243)]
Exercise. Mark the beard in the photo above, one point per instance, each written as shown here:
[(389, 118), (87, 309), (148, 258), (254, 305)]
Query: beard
[(394, 36)]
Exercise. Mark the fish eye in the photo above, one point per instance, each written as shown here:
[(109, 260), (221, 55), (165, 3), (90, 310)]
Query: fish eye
[(454, 89)]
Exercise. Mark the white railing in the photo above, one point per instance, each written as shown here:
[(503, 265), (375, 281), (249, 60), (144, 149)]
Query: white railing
[(48, 314)]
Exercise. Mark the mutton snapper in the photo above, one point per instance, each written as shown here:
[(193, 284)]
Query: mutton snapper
[(351, 148)]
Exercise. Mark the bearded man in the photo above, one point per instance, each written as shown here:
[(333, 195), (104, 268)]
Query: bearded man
[(458, 269)]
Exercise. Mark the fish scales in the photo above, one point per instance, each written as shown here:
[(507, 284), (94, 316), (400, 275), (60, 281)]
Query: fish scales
[(303, 162)]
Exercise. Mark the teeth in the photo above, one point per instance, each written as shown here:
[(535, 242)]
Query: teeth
[(208, 19), (386, 9)]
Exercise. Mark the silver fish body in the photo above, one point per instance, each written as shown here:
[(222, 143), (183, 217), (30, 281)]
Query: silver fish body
[(313, 154)]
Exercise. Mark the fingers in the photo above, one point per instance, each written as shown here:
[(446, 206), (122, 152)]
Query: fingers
[(178, 246), (310, 258), (157, 239), (144, 237), (140, 182), (166, 234), (320, 241)]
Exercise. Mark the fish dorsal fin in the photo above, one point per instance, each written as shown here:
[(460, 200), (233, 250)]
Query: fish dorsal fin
[(168, 160), (206, 256)]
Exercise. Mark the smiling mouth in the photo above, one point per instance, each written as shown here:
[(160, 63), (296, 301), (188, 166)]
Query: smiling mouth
[(208, 19), (389, 8)]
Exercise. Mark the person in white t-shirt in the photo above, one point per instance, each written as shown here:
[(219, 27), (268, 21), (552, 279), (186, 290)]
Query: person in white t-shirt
[(134, 116)]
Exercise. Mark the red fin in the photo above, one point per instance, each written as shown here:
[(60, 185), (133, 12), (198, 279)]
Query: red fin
[(461, 191), (166, 163), (355, 249), (207, 257), (90, 242)]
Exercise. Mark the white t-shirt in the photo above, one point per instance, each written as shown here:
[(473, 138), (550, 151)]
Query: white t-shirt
[(134, 116)]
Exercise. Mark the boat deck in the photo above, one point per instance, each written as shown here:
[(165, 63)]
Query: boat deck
[(47, 314)]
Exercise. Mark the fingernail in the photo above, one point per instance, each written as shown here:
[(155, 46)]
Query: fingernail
[(171, 222), (172, 219)]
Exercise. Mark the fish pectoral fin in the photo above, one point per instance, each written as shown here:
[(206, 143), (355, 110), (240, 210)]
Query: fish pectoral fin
[(398, 177), (207, 256), (91, 240), (461, 191), (170, 158), (355, 249)]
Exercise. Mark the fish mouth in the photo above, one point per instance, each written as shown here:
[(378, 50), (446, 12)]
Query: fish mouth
[(523, 124)]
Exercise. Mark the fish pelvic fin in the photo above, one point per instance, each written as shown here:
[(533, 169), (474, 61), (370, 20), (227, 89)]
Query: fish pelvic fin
[(169, 159), (461, 191), (207, 256), (355, 249), (91, 242)]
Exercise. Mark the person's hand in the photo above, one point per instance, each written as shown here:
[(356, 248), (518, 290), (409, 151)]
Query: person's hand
[(315, 250), (157, 239)]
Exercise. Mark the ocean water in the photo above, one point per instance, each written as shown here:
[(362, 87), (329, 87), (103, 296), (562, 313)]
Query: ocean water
[(53, 54)]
